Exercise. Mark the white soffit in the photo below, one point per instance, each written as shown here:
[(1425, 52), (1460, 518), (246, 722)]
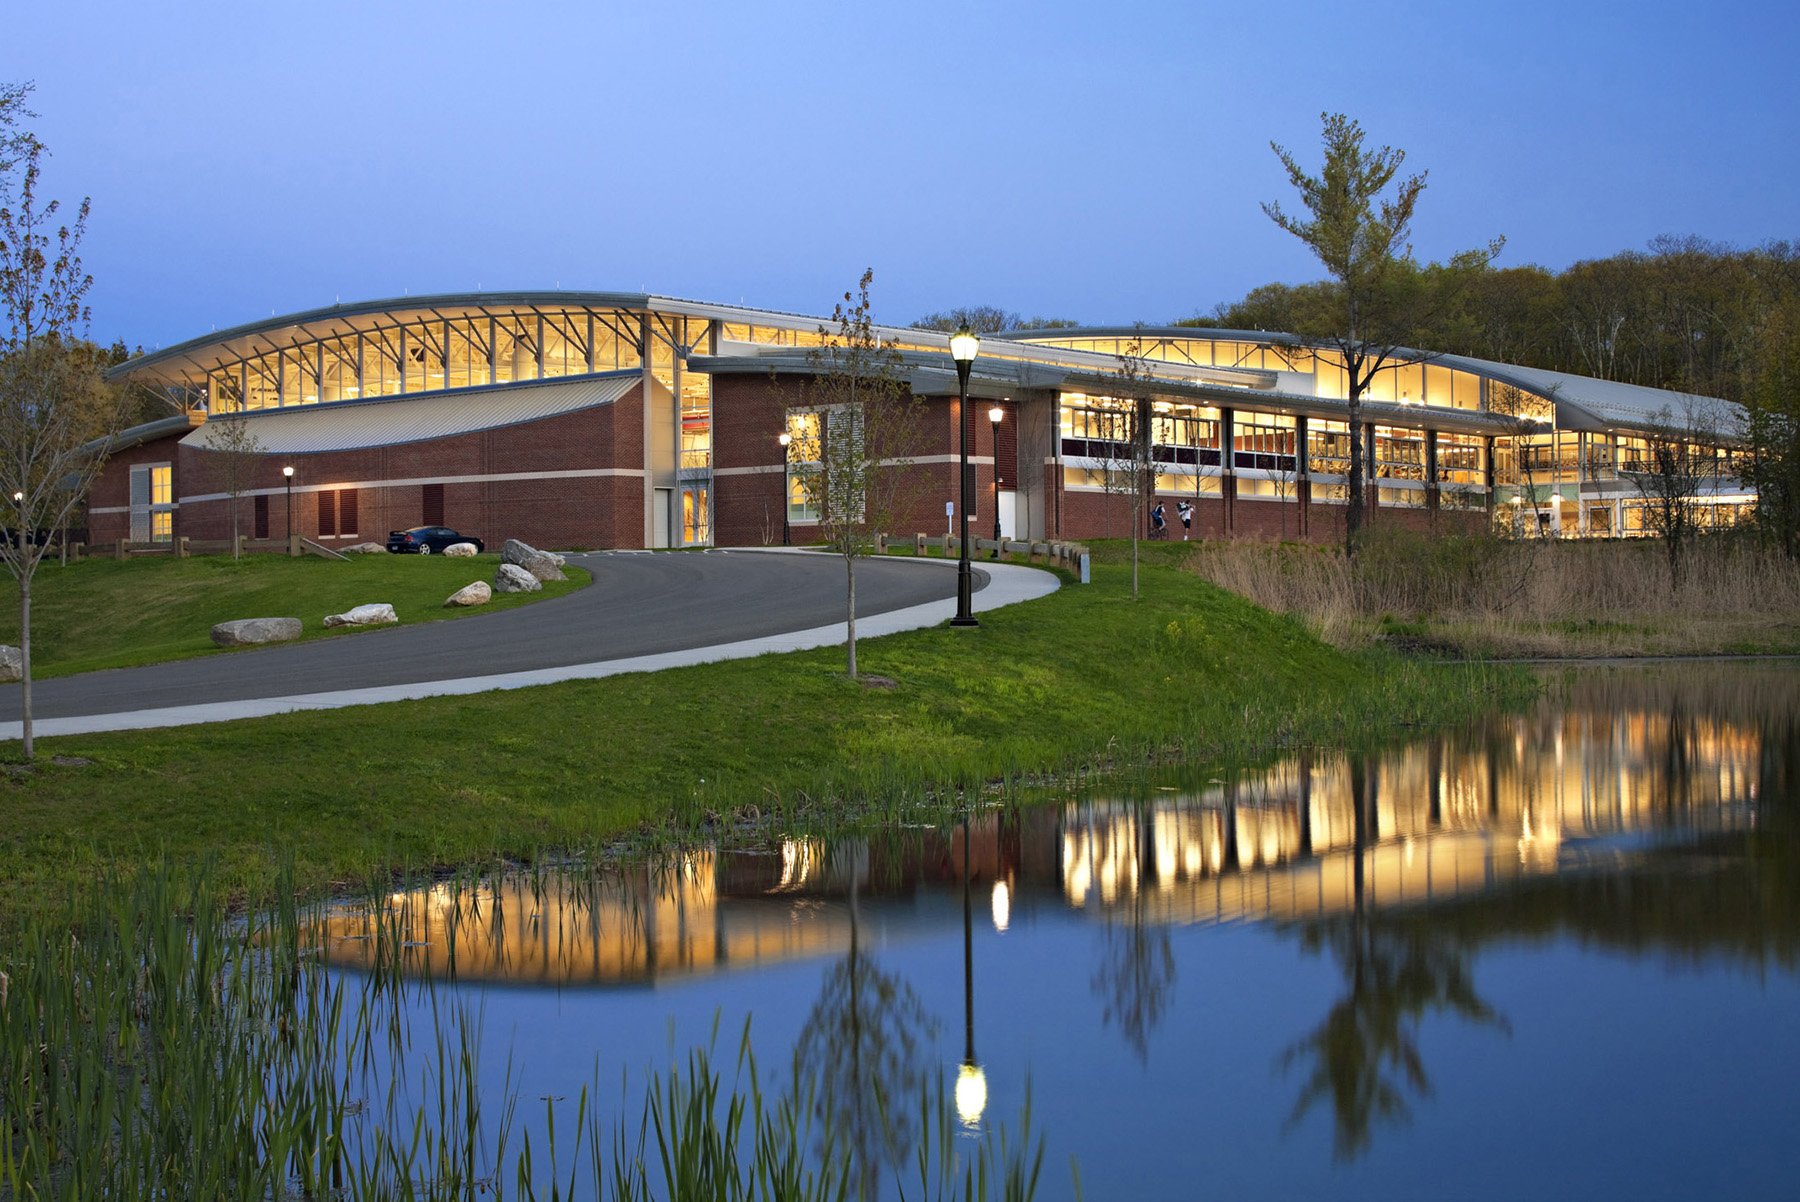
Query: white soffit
[(390, 421)]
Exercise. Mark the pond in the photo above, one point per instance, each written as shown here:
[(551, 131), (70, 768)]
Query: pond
[(1550, 955)]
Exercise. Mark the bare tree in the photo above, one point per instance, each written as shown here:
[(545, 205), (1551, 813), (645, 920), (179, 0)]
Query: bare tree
[(864, 1055), (56, 410), (855, 438), (1517, 405), (1679, 464), (236, 452), (1125, 418), (987, 319)]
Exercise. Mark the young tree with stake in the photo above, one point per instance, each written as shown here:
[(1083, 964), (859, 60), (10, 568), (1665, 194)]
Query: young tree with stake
[(236, 452), (854, 437)]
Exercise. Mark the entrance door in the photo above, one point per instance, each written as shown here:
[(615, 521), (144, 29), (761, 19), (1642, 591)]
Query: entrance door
[(663, 500), (696, 518), (1009, 513)]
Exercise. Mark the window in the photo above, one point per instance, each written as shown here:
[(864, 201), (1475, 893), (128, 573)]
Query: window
[(337, 512), (803, 453), (152, 503)]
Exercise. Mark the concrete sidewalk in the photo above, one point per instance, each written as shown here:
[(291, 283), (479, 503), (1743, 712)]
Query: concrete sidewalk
[(1008, 584)]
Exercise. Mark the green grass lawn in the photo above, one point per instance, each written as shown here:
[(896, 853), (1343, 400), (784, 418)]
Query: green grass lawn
[(105, 613), (1083, 678)]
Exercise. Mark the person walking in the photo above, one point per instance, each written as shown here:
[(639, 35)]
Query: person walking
[(1159, 522), (1186, 513)]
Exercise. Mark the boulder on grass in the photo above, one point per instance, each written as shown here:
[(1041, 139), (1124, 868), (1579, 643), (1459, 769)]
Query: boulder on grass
[(511, 578), (12, 664), (248, 632), (461, 550), (540, 564), (364, 549), (471, 594), (365, 615)]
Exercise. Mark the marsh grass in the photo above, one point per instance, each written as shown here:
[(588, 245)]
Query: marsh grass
[(1483, 596), (153, 1047)]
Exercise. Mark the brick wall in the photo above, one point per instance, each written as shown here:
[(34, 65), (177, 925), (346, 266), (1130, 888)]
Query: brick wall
[(586, 511)]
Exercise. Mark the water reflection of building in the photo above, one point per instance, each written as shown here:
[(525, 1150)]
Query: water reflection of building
[(1449, 816)]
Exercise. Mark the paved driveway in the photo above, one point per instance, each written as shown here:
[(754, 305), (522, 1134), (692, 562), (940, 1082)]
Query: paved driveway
[(639, 604)]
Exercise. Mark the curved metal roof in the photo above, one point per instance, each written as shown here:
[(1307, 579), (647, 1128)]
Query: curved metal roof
[(1582, 402)]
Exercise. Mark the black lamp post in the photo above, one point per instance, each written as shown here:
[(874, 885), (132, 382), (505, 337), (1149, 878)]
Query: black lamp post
[(994, 417), (963, 347), (971, 1081), (288, 471), (787, 534)]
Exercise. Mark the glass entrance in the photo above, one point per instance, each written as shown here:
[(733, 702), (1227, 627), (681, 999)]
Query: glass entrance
[(696, 516)]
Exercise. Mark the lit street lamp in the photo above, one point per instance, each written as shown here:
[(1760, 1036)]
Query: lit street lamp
[(786, 533), (994, 416), (963, 347), (288, 471)]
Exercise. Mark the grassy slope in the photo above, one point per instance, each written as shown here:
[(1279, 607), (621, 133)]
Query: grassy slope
[(1087, 675), (104, 613)]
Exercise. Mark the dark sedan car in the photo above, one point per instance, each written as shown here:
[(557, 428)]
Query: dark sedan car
[(426, 540)]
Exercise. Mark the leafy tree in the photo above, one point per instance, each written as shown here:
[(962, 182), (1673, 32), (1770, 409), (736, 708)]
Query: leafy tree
[(1375, 303), (236, 452), (56, 410), (1772, 465), (1365, 1057), (856, 435)]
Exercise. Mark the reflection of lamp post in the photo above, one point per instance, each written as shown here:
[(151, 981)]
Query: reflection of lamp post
[(963, 347), (784, 438), (971, 1082), (994, 416), (288, 471)]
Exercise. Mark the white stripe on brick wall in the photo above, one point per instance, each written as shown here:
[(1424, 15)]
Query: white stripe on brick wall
[(582, 473)]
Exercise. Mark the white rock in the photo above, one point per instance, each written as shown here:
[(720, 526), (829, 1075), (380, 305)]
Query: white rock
[(511, 578), (364, 549), (365, 615), (246, 632), (12, 664), (471, 594), (541, 564), (461, 550)]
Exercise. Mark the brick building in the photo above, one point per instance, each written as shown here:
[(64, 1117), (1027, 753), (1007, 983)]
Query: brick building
[(625, 420)]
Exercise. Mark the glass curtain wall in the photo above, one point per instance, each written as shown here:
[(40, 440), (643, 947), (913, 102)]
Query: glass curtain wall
[(426, 355)]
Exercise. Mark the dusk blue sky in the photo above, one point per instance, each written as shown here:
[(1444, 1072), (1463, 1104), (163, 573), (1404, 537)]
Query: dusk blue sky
[(1098, 161)]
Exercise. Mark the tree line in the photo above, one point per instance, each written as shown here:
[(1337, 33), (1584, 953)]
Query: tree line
[(1685, 314)]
